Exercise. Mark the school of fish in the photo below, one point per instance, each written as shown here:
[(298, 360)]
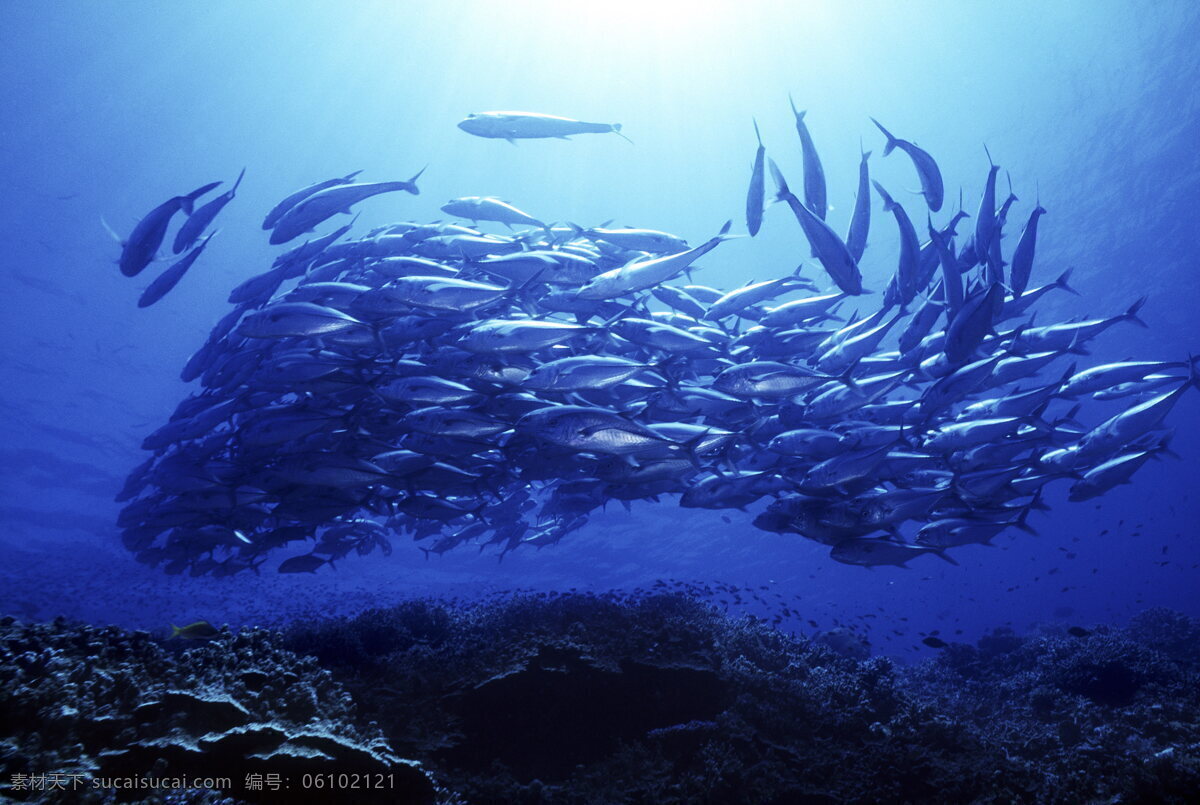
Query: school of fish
[(471, 388)]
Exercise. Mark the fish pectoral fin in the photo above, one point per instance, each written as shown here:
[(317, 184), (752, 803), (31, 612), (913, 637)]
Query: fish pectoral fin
[(112, 232), (945, 557)]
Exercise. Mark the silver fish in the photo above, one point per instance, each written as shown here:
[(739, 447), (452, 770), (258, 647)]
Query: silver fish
[(295, 198), (513, 126), (927, 168), (754, 196), (167, 280), (827, 247), (325, 204), (140, 249), (814, 174), (201, 217)]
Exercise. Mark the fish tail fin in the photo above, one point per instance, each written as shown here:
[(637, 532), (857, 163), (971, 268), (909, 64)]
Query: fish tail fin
[(889, 203), (945, 557), (1066, 419), (207, 238), (756, 134), (616, 127), (1132, 313), (847, 377), (112, 232), (1037, 504), (1022, 525), (934, 235), (1063, 282), (412, 183), (530, 283), (669, 369), (1067, 375), (175, 631), (891, 141), (689, 450), (237, 182), (187, 203), (799, 115), (782, 191), (1077, 348), (1164, 447)]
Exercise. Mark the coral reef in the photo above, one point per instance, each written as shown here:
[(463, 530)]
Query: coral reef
[(581, 698), (1102, 716), (660, 699), (104, 703)]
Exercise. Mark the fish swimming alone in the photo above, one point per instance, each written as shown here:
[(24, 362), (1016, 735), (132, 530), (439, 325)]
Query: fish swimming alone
[(200, 630), (514, 126)]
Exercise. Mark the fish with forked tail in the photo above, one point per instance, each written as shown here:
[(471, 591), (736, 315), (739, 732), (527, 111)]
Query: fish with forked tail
[(514, 126)]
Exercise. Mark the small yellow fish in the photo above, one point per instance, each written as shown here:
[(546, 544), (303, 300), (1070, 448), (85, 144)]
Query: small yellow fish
[(200, 630)]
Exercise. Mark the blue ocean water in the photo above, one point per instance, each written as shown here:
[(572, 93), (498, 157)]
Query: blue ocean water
[(111, 108)]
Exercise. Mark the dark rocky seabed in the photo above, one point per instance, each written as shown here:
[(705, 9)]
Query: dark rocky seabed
[(582, 698)]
